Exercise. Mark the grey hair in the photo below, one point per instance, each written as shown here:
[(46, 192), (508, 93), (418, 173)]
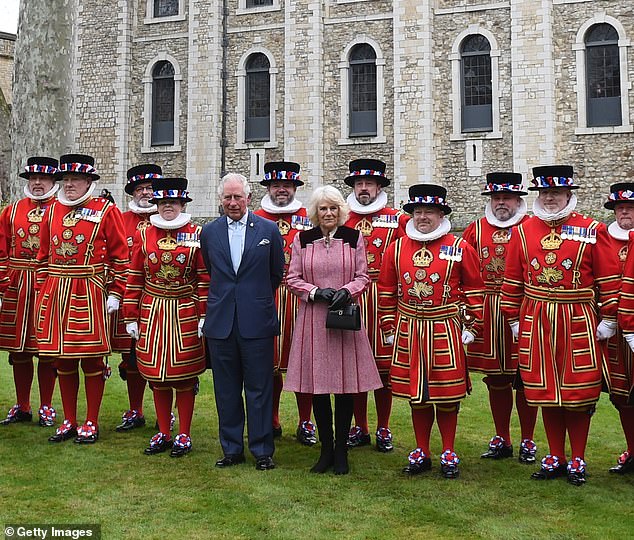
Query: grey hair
[(232, 177), (327, 194)]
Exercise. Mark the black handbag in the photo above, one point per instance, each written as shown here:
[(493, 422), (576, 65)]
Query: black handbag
[(346, 318)]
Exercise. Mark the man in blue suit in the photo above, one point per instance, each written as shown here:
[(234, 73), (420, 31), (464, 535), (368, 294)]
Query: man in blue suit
[(245, 259)]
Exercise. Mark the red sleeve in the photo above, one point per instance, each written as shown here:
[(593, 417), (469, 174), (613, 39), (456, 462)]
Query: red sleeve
[(388, 290), (5, 246), (626, 299), (202, 284), (513, 285), (135, 281), (607, 273), (472, 287), (118, 251)]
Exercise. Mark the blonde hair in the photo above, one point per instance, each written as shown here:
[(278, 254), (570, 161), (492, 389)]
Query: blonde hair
[(330, 195)]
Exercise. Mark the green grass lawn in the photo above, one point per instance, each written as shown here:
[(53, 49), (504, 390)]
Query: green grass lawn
[(136, 496)]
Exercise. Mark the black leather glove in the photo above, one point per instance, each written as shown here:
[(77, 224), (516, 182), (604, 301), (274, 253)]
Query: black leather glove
[(324, 295), (123, 373), (340, 299)]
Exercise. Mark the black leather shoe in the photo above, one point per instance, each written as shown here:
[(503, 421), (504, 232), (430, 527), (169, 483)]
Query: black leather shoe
[(277, 432), (230, 461), (87, 434), (498, 449), (545, 474), (16, 415), (624, 465), (159, 443), (130, 420), (577, 478), (413, 469), (357, 438), (63, 433), (449, 471), (264, 463)]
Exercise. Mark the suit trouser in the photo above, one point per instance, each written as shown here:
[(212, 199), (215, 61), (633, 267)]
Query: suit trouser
[(239, 363)]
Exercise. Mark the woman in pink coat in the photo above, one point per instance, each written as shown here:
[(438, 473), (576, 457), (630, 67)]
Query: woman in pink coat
[(328, 270)]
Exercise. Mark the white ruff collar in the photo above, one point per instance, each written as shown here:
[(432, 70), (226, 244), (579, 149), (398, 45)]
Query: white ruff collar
[(135, 208), (176, 223), (268, 205), (441, 230), (539, 211), (379, 204), (39, 198), (490, 217), (617, 232), (62, 198)]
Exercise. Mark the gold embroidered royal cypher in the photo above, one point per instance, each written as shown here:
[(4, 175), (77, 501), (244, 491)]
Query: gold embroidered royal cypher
[(168, 272), (496, 265), (550, 275), (283, 226), (501, 236), (66, 249), (552, 240), (422, 258), (168, 243), (365, 227), (421, 290), (35, 215), (32, 243)]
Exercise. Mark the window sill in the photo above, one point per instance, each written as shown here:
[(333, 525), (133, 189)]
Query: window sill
[(361, 140), (171, 18), (475, 135), (249, 145), (160, 149), (628, 128), (259, 9)]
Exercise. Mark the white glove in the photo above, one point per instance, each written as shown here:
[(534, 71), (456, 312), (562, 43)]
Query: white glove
[(132, 329), (515, 329), (112, 304), (630, 340), (389, 340), (467, 337), (606, 330), (201, 323)]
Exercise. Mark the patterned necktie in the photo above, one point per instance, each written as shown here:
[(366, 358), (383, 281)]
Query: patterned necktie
[(236, 246)]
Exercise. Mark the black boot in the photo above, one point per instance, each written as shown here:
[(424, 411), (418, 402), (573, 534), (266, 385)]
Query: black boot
[(343, 417), (322, 410)]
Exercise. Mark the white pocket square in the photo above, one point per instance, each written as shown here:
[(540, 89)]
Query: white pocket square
[(264, 242)]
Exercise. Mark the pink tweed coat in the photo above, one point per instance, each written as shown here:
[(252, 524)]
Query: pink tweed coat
[(325, 361)]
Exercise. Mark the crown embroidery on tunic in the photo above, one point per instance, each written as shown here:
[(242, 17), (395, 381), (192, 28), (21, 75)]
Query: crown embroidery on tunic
[(502, 236), (551, 240), (167, 244), (283, 226), (365, 227), (422, 258), (70, 219), (35, 215)]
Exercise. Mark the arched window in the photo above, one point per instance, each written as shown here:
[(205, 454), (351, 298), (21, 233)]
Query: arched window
[(477, 94), (257, 98), (163, 104), (363, 91), (165, 8), (603, 76)]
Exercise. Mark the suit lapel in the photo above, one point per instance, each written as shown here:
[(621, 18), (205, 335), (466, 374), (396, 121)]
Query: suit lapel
[(223, 236), (249, 238)]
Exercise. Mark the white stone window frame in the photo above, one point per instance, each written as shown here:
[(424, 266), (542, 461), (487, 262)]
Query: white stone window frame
[(581, 85), (241, 76), (151, 19), (147, 147), (456, 86), (344, 78), (244, 10)]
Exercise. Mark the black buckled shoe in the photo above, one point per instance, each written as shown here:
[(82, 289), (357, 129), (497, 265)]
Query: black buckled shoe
[(357, 438), (182, 445), (551, 468), (418, 462), (498, 449), (528, 451), (159, 443), (230, 461), (87, 434), (16, 415), (64, 432), (449, 462), (384, 440), (306, 433), (576, 471), (264, 463), (130, 419), (47, 416), (624, 465)]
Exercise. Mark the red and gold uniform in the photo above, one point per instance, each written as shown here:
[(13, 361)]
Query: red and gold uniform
[(80, 247), (428, 282), (421, 290), (20, 227), (167, 293), (554, 270), (493, 350)]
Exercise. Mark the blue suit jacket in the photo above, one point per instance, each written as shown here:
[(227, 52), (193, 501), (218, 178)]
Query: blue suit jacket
[(249, 294)]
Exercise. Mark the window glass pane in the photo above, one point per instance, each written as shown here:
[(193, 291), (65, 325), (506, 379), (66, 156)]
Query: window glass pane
[(163, 104), (258, 98), (362, 91), (258, 3), (165, 8), (602, 33), (475, 44), (362, 53), (477, 88)]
